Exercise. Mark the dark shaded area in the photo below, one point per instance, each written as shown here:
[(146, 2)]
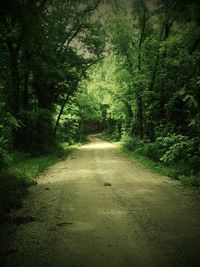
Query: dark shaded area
[(51, 49)]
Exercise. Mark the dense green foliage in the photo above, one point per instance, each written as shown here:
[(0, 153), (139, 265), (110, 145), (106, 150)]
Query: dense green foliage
[(149, 83), (46, 48), (133, 73), (22, 173)]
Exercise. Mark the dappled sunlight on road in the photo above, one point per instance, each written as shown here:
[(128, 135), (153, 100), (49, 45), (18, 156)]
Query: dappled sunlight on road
[(65, 176), (99, 145), (112, 212), (98, 204)]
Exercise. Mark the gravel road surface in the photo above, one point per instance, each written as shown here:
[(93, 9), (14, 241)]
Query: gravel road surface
[(99, 208)]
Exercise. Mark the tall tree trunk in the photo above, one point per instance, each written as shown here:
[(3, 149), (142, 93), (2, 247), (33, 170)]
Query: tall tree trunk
[(162, 103), (60, 114), (166, 31), (15, 101), (140, 119), (151, 132), (139, 101), (15, 89), (26, 90)]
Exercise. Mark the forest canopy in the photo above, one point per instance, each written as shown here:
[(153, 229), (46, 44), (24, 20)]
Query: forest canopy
[(132, 68)]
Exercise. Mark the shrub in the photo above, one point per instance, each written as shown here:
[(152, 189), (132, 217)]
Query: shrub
[(112, 135), (181, 150), (13, 187), (127, 141), (5, 158), (36, 131), (173, 150), (190, 181), (7, 124), (151, 150), (175, 146)]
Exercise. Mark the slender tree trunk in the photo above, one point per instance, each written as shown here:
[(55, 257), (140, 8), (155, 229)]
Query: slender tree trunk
[(15, 101), (26, 90), (151, 132), (167, 28), (139, 98), (15, 90), (162, 103), (140, 118), (129, 123), (60, 114)]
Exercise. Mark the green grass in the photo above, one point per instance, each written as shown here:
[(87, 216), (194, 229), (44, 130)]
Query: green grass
[(192, 181), (173, 172), (15, 179), (146, 162)]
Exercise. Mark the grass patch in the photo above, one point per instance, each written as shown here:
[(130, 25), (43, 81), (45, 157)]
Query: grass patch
[(193, 181), (146, 162), (174, 172), (15, 179)]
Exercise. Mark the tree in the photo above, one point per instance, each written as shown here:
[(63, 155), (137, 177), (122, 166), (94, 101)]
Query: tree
[(45, 67)]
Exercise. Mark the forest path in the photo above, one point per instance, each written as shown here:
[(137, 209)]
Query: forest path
[(141, 219)]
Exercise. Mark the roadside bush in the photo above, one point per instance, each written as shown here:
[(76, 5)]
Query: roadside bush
[(69, 129), (173, 150), (114, 135), (15, 179), (144, 148), (13, 187), (151, 150), (7, 124), (177, 149), (5, 158), (36, 131), (127, 142), (190, 181), (181, 151)]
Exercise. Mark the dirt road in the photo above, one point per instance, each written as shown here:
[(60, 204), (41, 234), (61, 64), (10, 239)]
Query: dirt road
[(141, 219)]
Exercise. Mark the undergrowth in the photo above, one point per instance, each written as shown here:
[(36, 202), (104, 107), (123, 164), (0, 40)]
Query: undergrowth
[(22, 172), (175, 172)]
